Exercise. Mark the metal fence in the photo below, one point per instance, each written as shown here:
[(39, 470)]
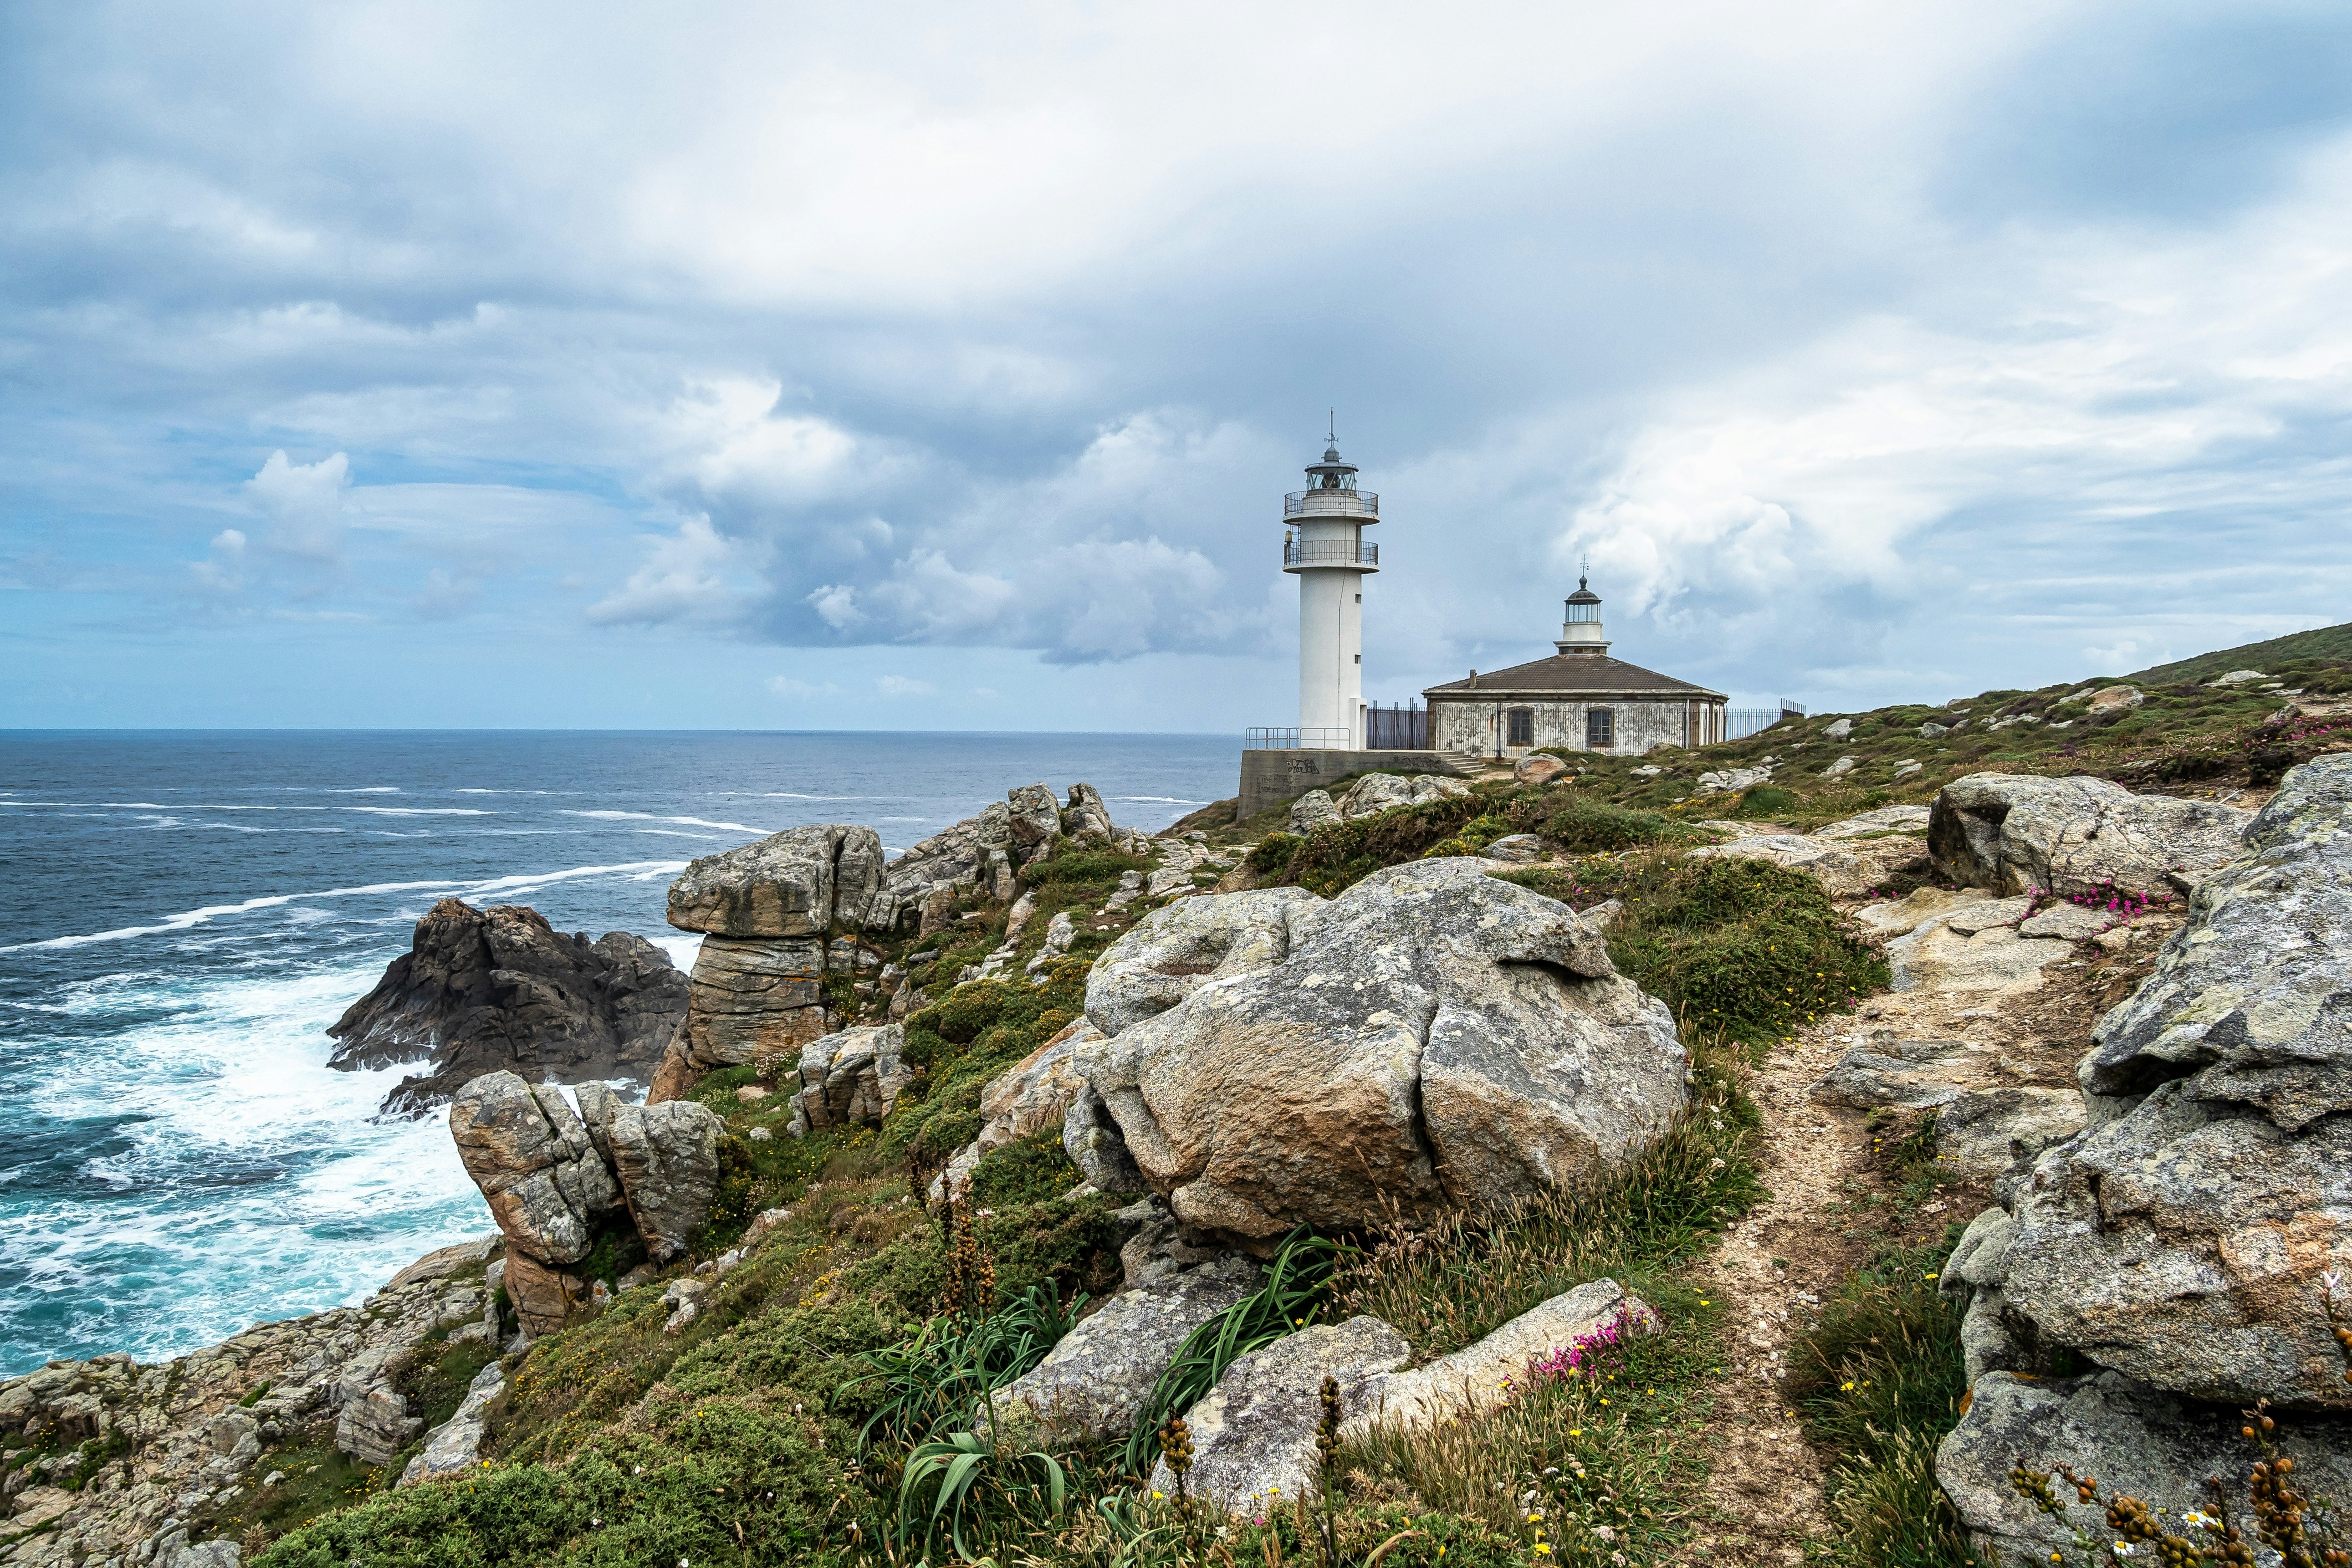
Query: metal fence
[(1402, 728), (1741, 722), (1260, 738), (1297, 554)]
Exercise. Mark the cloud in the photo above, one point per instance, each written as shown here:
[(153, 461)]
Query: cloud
[(690, 574), (1861, 349), (796, 690), (222, 572), (302, 506), (899, 688)]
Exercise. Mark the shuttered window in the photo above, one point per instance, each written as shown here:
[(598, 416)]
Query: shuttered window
[(1600, 727), (1522, 729)]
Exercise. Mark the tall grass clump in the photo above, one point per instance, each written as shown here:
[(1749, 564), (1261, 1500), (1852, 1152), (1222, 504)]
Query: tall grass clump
[(1878, 1382), (1753, 950), (1595, 1465), (1451, 1284), (941, 1376), (1288, 1298)]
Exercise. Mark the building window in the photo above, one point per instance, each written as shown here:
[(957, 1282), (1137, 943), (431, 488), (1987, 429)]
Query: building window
[(1522, 727), (1599, 727)]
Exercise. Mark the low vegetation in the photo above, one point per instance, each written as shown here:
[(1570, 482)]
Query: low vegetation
[(830, 1404)]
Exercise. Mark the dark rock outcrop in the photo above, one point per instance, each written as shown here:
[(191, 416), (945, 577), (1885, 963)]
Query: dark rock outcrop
[(482, 991)]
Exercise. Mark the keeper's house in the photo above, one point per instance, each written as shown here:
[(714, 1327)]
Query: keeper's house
[(1579, 697)]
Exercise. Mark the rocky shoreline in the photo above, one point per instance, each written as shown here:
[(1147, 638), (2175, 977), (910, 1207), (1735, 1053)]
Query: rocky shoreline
[(1433, 1042)]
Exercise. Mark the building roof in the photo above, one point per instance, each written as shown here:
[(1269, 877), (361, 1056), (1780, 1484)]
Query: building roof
[(1581, 675)]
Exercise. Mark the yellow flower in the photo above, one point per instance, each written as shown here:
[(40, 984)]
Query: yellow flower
[(1158, 1496)]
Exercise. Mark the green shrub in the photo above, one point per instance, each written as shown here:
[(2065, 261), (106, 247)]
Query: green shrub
[(617, 1247), (1027, 1170), (1339, 855), (1272, 852), (1102, 866), (958, 1044), (1750, 948), (1767, 800), (1585, 825), (743, 1480)]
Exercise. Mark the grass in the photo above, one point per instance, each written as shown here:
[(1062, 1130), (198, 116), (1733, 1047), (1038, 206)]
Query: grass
[(1744, 947), (1448, 1286), (1591, 1466), (1878, 1382), (789, 1422)]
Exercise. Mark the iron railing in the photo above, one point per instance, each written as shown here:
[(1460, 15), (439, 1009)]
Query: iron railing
[(1298, 739), (1739, 723), (1295, 554), (1791, 710), (1331, 503)]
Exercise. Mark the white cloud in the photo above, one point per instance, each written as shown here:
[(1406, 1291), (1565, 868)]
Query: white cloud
[(691, 575), (786, 687), (837, 605), (302, 504), (898, 687)]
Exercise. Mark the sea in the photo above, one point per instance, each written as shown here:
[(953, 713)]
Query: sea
[(184, 913)]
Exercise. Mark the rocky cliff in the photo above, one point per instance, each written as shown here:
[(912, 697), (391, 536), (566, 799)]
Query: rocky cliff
[(485, 990)]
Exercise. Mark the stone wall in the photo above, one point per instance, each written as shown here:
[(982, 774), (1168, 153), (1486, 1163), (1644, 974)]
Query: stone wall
[(1456, 725), (1269, 778)]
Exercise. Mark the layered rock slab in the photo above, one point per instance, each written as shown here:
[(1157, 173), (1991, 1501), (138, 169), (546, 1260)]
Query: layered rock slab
[(1433, 1039), (530, 1154)]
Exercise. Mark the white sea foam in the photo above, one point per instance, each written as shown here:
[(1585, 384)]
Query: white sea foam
[(682, 949), (657, 816), (636, 870), (366, 789), (248, 1181), (1158, 800)]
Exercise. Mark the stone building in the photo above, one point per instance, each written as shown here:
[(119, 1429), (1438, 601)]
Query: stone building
[(1579, 697)]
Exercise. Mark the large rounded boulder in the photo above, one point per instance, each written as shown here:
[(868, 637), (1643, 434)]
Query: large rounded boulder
[(1433, 1038)]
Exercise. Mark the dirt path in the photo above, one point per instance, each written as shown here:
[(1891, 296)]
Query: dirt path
[(1828, 1212)]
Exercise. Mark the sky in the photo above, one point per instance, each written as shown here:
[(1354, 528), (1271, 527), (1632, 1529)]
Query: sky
[(793, 366)]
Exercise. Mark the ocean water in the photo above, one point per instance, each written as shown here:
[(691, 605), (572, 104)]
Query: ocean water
[(181, 915)]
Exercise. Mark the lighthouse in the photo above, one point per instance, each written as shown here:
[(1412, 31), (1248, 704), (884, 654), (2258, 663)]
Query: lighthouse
[(1323, 546)]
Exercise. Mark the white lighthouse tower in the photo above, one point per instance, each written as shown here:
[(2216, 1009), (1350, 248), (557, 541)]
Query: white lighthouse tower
[(1323, 544)]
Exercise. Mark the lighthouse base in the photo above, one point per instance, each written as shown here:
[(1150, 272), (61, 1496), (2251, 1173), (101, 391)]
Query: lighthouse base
[(1270, 777)]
